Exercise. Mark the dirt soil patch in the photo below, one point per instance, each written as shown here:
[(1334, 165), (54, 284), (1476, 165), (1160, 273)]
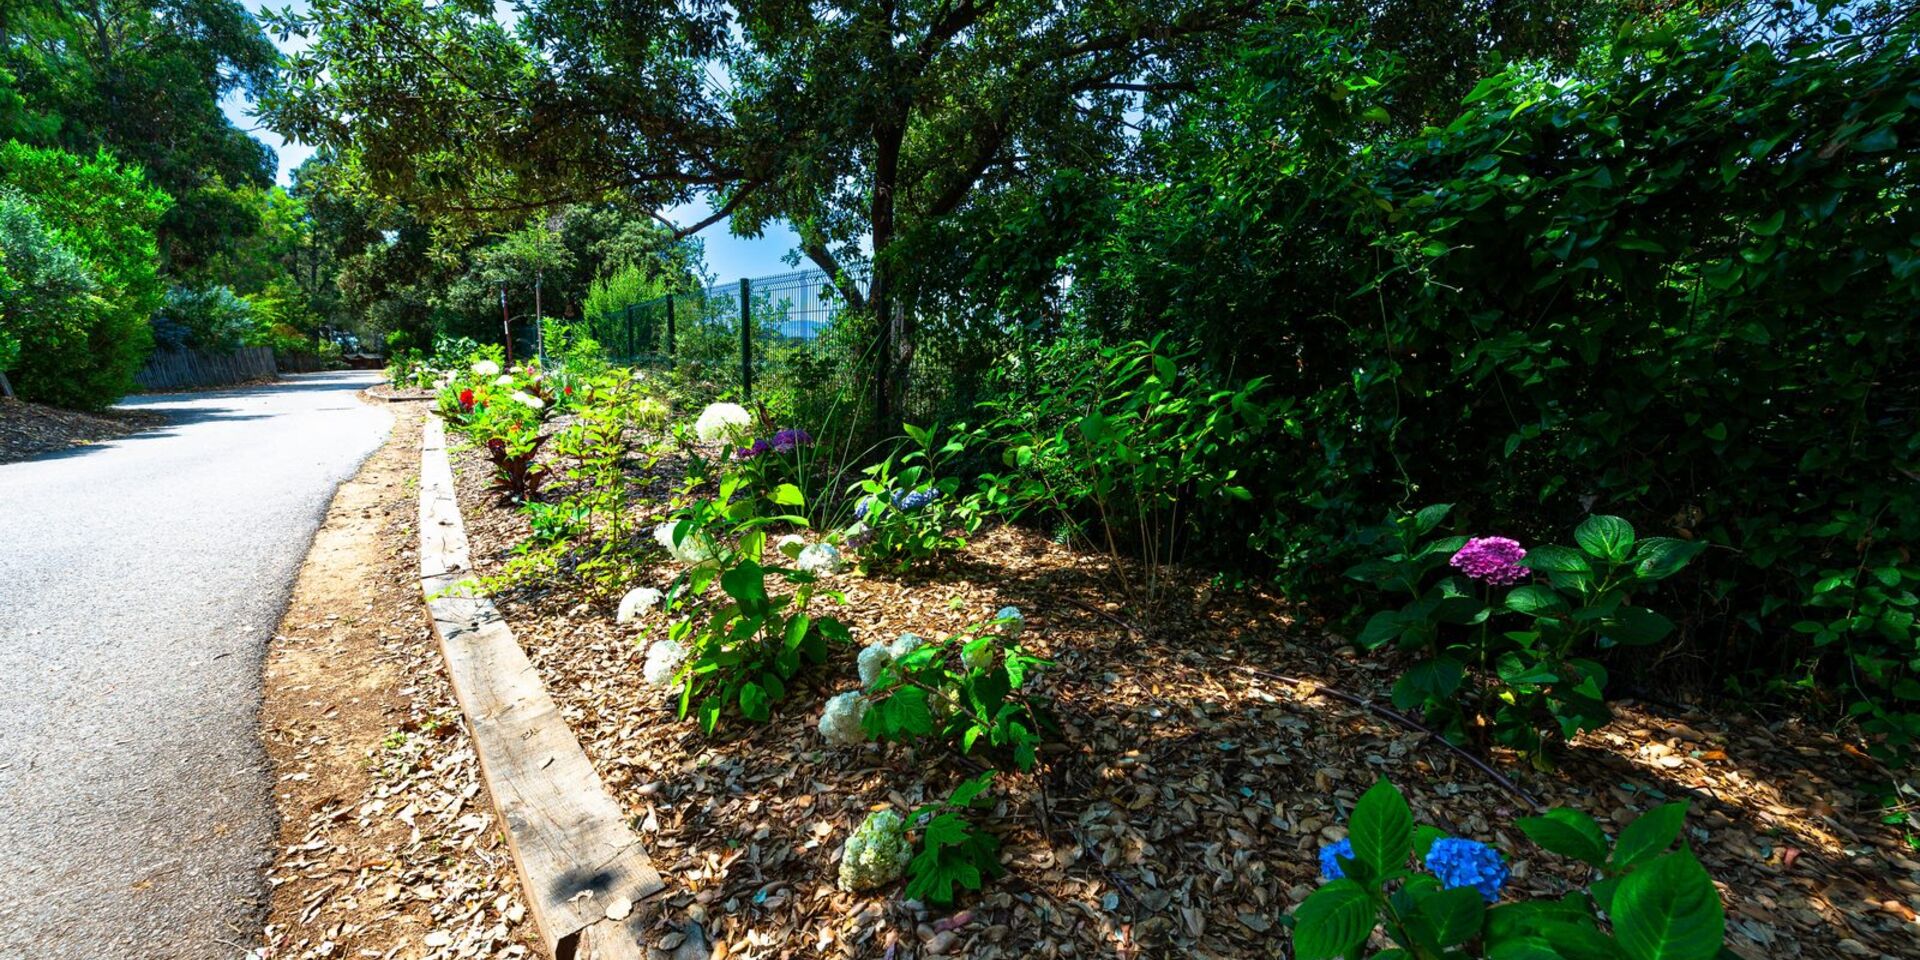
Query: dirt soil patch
[(388, 845), (31, 429), (1181, 812)]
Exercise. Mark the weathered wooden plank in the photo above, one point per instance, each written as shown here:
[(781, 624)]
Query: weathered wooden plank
[(579, 862)]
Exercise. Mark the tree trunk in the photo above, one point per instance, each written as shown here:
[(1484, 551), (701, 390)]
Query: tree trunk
[(889, 337)]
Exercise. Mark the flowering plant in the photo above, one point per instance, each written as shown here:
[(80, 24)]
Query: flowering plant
[(904, 511), (745, 642), (1658, 904), (964, 690), (1527, 648)]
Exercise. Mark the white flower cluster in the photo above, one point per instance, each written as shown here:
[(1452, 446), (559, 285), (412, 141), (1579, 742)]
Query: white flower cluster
[(636, 604), (790, 545), (821, 560), (978, 654), (723, 421), (840, 721), (528, 399), (877, 853), (876, 656), (696, 549), (486, 368), (664, 658)]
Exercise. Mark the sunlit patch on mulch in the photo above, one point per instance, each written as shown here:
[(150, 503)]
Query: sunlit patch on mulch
[(1180, 813)]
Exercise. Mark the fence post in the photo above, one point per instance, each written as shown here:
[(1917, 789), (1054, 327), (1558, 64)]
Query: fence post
[(669, 324), (746, 339), (631, 352)]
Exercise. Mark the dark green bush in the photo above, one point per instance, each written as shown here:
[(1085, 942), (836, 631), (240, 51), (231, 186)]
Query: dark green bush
[(1680, 284)]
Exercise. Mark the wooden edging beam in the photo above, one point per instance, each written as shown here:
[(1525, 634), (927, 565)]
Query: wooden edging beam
[(584, 871)]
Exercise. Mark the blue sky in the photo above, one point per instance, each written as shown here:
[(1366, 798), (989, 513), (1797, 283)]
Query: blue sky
[(728, 257)]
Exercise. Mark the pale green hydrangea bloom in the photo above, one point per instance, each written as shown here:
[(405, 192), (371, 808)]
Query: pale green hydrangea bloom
[(877, 853)]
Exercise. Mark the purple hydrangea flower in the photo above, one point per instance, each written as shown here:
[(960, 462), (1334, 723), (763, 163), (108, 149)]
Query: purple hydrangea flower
[(748, 453), (1493, 560), (789, 440), (1467, 863), (1330, 859)]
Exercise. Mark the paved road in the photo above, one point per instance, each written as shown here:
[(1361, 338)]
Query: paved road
[(139, 583)]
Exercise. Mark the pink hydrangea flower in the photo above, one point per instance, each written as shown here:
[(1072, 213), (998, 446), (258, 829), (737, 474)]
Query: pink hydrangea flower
[(1494, 560)]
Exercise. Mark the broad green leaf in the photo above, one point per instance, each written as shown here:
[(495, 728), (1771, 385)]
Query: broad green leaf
[(1649, 835), (1552, 558), (1669, 910), (1454, 916), (1660, 557), (1569, 833), (754, 702), (1606, 537), (1332, 921), (788, 495), (1382, 828), (1535, 600)]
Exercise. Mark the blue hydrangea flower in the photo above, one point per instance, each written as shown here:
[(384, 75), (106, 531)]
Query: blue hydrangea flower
[(903, 500), (860, 509), (1468, 863), (1330, 859)]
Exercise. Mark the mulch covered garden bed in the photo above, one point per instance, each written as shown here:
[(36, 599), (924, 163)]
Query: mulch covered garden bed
[(31, 429), (1181, 811)]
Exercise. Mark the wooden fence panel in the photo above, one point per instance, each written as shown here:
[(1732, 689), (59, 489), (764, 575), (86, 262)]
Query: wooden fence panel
[(174, 369)]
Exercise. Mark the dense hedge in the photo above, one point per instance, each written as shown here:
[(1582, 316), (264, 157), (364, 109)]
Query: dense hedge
[(80, 273), (1680, 285)]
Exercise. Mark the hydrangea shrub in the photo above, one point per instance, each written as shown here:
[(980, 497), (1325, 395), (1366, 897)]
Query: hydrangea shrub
[(966, 690), (1647, 900), (1510, 632)]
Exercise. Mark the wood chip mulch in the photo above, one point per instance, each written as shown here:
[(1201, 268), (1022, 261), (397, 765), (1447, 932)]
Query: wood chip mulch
[(30, 429), (1181, 812), (389, 847)]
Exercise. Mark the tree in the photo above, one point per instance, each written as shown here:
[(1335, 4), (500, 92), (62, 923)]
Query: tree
[(857, 121)]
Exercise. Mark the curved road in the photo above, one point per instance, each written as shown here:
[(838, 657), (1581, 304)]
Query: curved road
[(139, 583)]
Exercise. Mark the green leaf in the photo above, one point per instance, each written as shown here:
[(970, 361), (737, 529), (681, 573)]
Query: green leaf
[(1423, 838), (754, 702), (1535, 600), (1381, 628), (788, 495), (1669, 910), (1333, 921), (1661, 557), (1382, 828), (1569, 833), (1454, 916), (747, 583), (1551, 558), (1770, 225), (1638, 626), (1429, 517), (1608, 538), (1649, 835)]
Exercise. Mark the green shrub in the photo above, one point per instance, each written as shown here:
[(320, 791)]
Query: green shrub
[(1495, 643), (80, 315)]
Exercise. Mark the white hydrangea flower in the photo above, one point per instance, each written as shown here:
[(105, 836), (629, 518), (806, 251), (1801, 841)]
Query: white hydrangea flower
[(790, 545), (1011, 624), (904, 644), (503, 380), (692, 551), (840, 721), (637, 374), (821, 560), (723, 421), (528, 399), (485, 368), (873, 660), (977, 656), (664, 658), (876, 854), (636, 604)]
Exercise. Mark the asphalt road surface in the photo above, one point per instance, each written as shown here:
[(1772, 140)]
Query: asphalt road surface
[(140, 581)]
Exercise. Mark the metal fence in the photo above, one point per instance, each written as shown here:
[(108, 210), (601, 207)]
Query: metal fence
[(732, 334)]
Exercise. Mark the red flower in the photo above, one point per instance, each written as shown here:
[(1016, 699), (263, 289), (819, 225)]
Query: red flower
[(568, 391), (466, 401)]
